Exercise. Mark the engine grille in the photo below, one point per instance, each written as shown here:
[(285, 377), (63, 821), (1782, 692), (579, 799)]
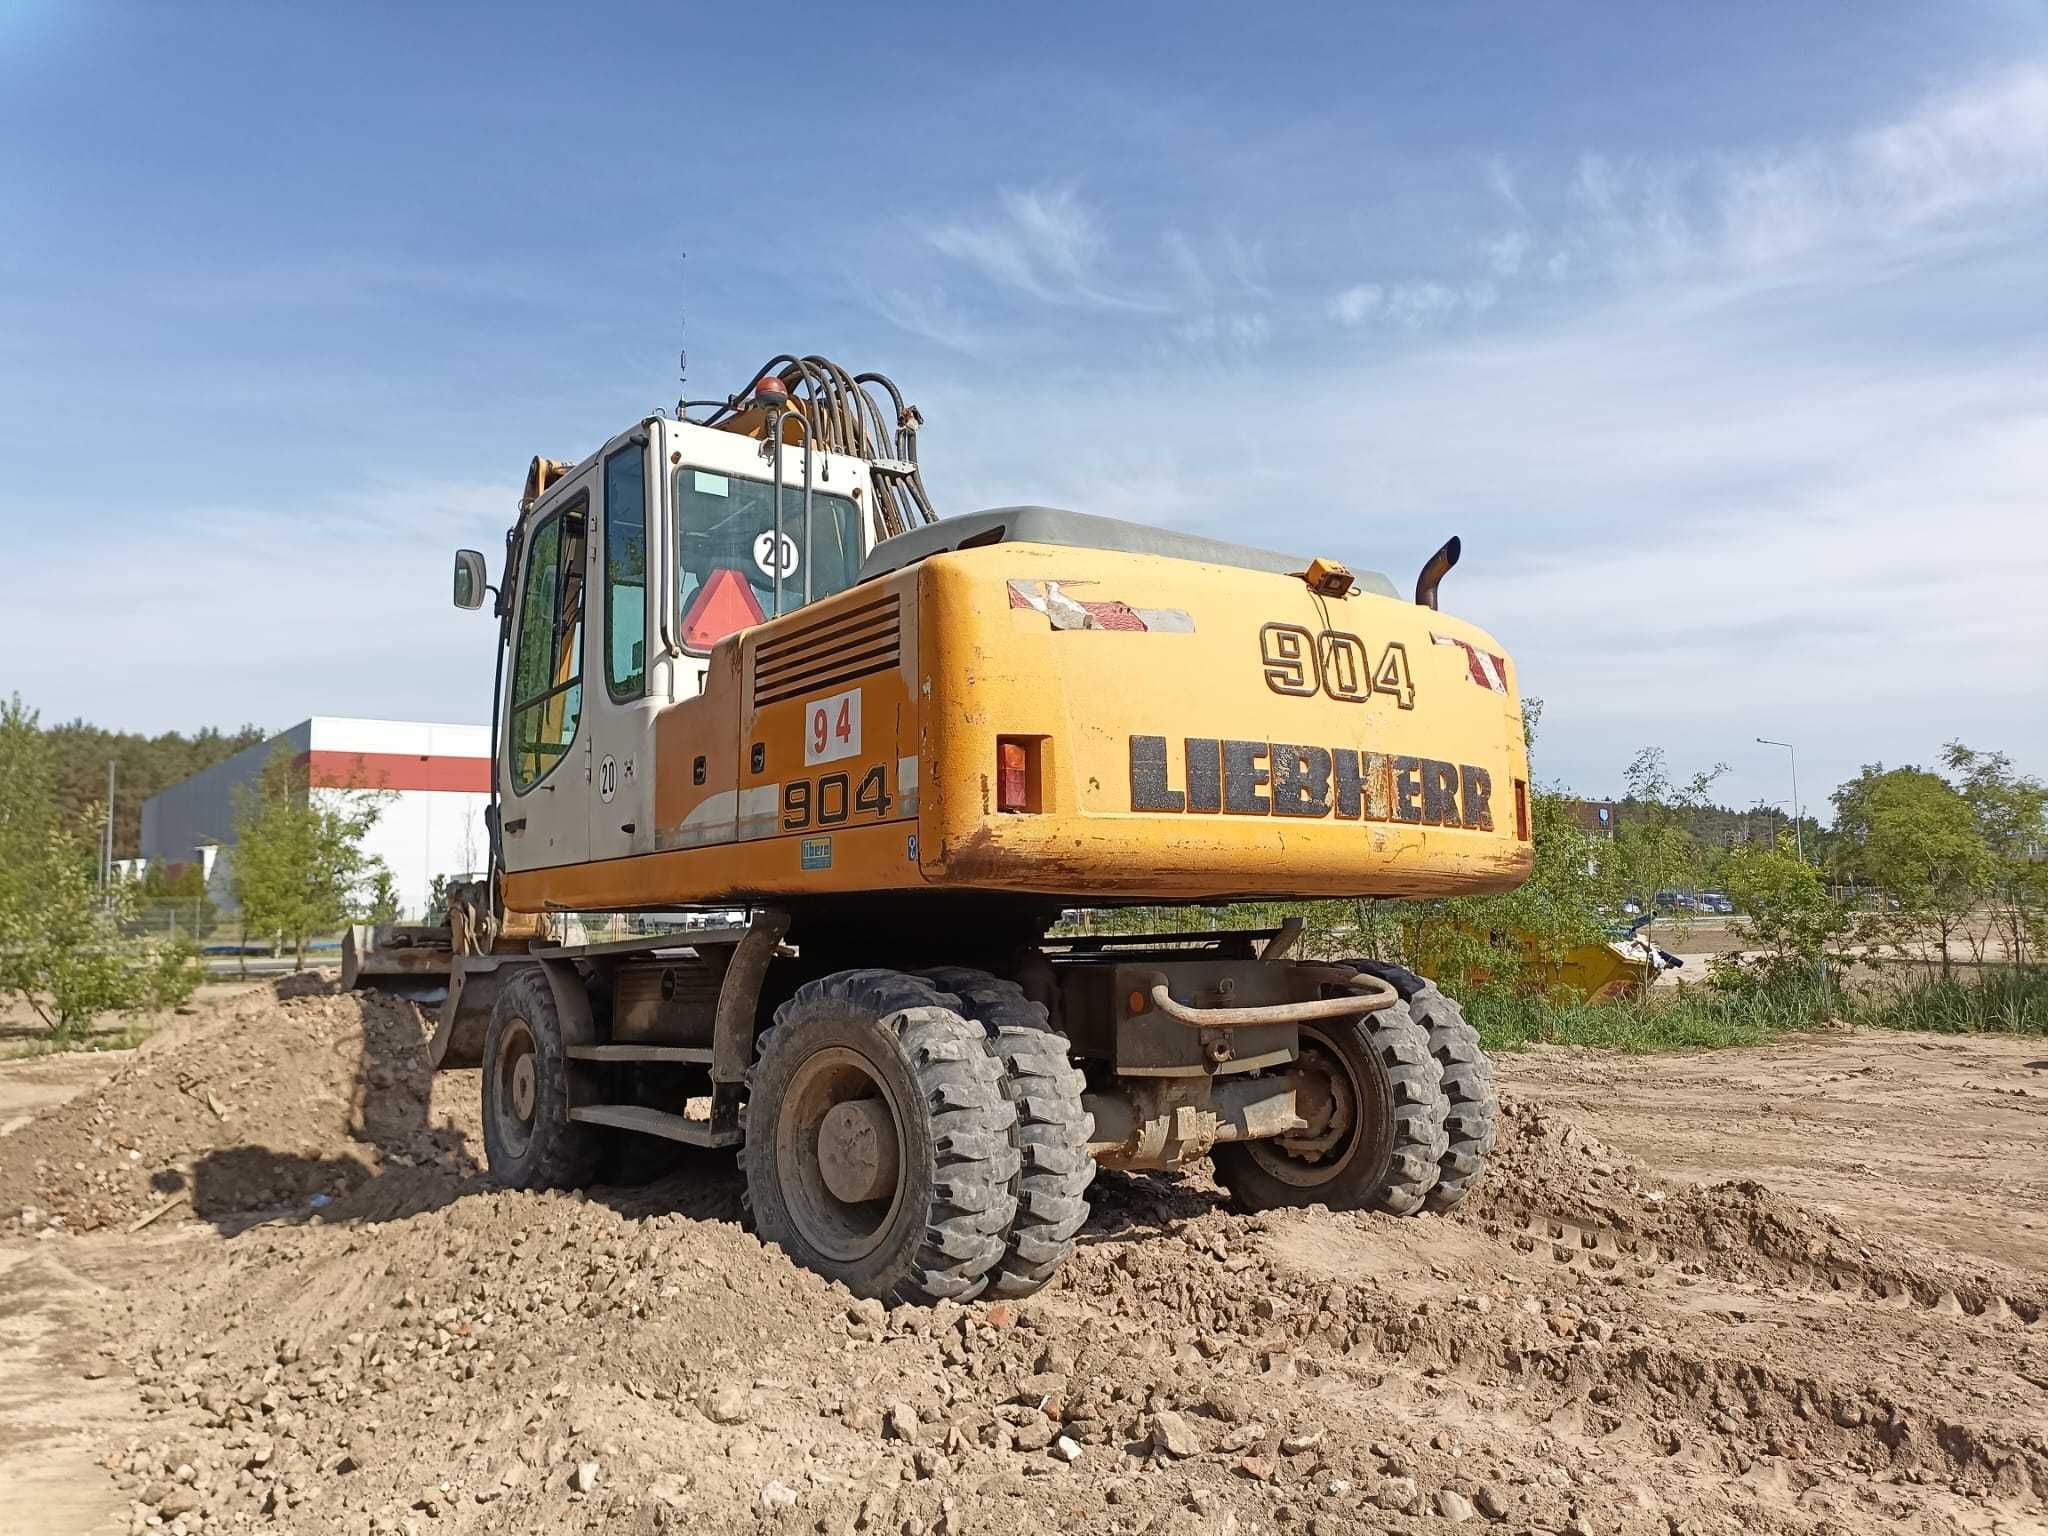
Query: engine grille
[(852, 644)]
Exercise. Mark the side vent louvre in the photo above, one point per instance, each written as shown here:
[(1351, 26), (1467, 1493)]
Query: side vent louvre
[(855, 643)]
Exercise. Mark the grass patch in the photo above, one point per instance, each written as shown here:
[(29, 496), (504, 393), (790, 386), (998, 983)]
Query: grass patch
[(2000, 1002), (1694, 1021), (1755, 1009), (49, 1045)]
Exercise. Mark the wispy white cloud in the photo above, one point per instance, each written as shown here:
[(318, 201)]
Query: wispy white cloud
[(1955, 168), (926, 310), (1419, 304), (1971, 151), (1410, 306), (1043, 243), (1356, 304), (1505, 251)]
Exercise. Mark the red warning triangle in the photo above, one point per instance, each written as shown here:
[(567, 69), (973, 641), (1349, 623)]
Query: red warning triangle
[(723, 606)]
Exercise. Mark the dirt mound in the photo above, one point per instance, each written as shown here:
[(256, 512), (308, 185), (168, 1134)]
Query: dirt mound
[(1555, 1187), (268, 1098), (537, 1362), (1584, 1346)]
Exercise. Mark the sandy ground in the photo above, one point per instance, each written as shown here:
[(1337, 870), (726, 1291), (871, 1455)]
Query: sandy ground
[(1934, 1137), (1796, 1289)]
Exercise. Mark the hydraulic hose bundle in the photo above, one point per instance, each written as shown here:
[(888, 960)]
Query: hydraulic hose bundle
[(842, 415)]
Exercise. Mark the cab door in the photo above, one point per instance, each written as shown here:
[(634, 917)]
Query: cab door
[(546, 744), (623, 561)]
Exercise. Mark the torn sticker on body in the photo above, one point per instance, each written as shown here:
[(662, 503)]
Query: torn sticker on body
[(1064, 610), (1483, 667)]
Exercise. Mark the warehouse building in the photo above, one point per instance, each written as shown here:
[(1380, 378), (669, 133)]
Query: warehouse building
[(435, 781)]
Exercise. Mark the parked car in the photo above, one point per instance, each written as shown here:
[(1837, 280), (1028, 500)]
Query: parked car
[(1717, 903)]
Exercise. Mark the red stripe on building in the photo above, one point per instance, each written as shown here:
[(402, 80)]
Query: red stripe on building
[(396, 771)]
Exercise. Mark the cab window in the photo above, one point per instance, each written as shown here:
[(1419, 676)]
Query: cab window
[(727, 552), (625, 573), (547, 665)]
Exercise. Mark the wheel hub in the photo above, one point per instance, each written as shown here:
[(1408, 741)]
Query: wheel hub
[(858, 1150), (839, 1153), (523, 1091), (1331, 1100), (1325, 1100), (515, 1100)]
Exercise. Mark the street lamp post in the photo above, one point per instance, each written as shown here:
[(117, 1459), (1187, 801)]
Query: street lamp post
[(1798, 835)]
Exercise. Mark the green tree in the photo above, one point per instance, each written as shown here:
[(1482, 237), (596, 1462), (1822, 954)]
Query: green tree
[(177, 900), (1654, 847), (298, 866), (143, 765), (27, 808), (1514, 940), (2011, 811), (1909, 833), (63, 951), (383, 897), (1788, 903)]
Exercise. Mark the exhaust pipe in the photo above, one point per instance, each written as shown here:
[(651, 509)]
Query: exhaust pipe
[(1434, 570)]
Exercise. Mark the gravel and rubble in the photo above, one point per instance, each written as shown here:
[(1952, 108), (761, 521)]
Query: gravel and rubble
[(267, 1099), (1582, 1347)]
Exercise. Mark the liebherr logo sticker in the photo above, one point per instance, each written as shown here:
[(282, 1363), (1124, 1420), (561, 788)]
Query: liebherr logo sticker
[(1276, 778)]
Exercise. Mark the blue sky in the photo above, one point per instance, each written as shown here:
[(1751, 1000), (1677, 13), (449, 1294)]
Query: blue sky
[(1719, 333)]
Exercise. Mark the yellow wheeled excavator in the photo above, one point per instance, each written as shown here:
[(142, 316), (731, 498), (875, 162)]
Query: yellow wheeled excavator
[(745, 675)]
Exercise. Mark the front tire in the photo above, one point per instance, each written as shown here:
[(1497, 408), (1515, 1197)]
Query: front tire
[(1372, 1097), (880, 1147), (528, 1085)]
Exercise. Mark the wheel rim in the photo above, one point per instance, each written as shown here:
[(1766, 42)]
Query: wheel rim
[(515, 1079), (838, 1154), (1341, 1117)]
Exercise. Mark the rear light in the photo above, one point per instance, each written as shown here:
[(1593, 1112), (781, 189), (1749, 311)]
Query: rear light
[(1013, 776), (1522, 809)]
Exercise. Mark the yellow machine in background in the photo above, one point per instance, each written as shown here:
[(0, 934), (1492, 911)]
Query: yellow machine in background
[(745, 671), (1622, 965)]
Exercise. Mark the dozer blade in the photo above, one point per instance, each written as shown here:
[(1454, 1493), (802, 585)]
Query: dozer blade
[(406, 961), (473, 986)]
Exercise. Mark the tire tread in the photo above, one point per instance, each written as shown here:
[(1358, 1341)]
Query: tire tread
[(971, 1122), (1053, 1127), (1471, 1107)]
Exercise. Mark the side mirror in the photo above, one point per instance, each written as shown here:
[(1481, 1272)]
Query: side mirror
[(470, 579)]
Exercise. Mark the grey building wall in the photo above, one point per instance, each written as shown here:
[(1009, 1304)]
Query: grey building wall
[(201, 809)]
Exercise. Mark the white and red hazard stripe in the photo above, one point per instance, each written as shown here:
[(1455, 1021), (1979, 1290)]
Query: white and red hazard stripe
[(1483, 667)]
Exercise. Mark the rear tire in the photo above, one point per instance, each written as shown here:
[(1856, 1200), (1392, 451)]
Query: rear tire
[(1378, 1138), (1471, 1107), (528, 1085), (923, 1216), (1054, 1169)]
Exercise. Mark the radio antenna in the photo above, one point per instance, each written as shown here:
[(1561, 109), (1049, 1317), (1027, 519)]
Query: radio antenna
[(683, 354)]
